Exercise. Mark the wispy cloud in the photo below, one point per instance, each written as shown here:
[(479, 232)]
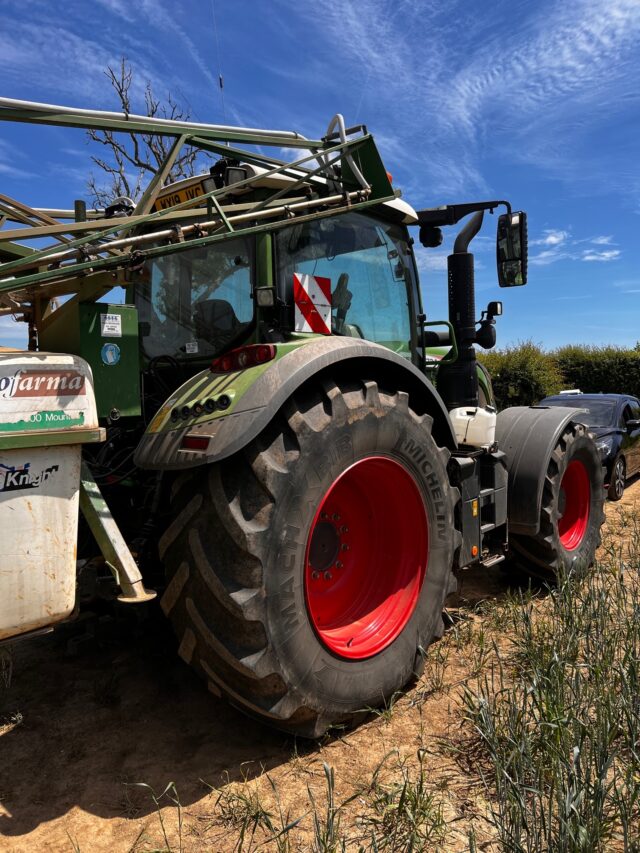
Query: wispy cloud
[(603, 257), (459, 86), (430, 260), (555, 241), (165, 17), (551, 238), (560, 246), (79, 72), (12, 161), (572, 298), (13, 172), (119, 7), (548, 256)]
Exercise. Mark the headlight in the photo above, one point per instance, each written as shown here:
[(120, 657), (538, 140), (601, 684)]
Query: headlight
[(605, 445)]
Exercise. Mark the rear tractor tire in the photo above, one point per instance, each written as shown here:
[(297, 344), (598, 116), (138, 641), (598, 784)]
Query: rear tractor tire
[(307, 573), (572, 511)]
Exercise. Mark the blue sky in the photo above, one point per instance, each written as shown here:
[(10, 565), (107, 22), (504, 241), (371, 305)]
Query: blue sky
[(537, 102)]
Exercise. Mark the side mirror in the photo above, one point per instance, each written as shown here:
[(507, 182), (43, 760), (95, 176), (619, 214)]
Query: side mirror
[(511, 249)]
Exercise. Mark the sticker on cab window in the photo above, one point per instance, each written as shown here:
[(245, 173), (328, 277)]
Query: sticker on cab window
[(312, 297)]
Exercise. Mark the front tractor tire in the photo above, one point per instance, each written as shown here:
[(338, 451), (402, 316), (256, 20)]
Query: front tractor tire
[(307, 573), (572, 511)]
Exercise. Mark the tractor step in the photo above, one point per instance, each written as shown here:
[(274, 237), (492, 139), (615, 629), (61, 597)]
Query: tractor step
[(493, 560)]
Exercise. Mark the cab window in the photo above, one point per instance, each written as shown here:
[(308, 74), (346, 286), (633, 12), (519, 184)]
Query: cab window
[(370, 267), (197, 302)]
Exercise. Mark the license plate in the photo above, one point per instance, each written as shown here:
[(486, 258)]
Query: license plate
[(170, 197)]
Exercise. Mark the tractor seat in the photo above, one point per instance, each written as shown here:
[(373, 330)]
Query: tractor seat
[(212, 317)]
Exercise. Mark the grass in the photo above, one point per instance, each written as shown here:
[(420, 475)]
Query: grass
[(557, 713), (404, 814), (543, 729)]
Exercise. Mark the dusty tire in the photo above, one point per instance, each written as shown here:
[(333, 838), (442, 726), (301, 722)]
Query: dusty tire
[(618, 476), (572, 510), (238, 556)]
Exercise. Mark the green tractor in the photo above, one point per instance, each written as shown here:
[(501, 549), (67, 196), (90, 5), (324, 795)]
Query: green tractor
[(282, 444)]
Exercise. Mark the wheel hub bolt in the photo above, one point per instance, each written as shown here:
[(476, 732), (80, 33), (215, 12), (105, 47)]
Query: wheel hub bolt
[(344, 546), (315, 575), (344, 529), (328, 576), (335, 516), (338, 564)]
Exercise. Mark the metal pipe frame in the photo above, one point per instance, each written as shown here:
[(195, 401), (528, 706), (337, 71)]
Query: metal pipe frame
[(87, 251)]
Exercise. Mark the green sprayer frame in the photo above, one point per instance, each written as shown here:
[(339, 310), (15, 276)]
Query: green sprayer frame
[(341, 171)]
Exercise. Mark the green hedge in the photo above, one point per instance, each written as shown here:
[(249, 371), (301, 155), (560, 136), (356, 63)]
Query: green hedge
[(521, 374), (610, 370), (524, 373)]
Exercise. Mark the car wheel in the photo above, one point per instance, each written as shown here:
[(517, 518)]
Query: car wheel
[(618, 476)]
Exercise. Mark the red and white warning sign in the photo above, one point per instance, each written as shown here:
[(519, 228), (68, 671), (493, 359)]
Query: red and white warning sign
[(312, 297)]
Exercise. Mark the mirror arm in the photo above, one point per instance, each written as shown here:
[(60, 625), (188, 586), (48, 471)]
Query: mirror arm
[(450, 214)]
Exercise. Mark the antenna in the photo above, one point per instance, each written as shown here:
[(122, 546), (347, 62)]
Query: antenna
[(220, 77)]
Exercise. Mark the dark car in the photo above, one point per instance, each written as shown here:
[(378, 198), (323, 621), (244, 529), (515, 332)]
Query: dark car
[(614, 422)]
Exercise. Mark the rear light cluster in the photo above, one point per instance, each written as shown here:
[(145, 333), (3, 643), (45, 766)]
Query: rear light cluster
[(195, 442), (207, 406), (243, 357)]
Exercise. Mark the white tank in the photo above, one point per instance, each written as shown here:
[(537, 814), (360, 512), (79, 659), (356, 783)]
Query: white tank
[(473, 426), (47, 410)]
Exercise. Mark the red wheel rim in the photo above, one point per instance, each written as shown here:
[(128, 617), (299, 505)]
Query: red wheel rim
[(366, 558), (575, 498)]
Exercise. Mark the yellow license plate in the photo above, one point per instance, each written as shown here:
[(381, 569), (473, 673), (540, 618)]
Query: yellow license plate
[(169, 197)]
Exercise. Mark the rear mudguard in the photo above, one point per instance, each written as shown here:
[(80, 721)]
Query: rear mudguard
[(254, 396), (527, 435)]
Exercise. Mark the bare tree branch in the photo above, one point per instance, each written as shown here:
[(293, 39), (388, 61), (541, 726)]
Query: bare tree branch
[(130, 157)]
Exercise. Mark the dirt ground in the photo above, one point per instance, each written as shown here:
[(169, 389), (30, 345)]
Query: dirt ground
[(97, 708)]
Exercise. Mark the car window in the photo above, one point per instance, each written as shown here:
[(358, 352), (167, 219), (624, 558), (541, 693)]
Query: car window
[(626, 415), (598, 413), (635, 409)]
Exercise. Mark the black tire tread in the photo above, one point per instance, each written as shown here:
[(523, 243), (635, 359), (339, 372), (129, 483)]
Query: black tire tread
[(219, 572), (541, 555)]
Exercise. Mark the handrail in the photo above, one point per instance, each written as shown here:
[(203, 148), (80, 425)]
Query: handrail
[(38, 113)]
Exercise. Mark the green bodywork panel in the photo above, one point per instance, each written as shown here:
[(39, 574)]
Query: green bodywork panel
[(105, 335), (207, 385), (370, 163)]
